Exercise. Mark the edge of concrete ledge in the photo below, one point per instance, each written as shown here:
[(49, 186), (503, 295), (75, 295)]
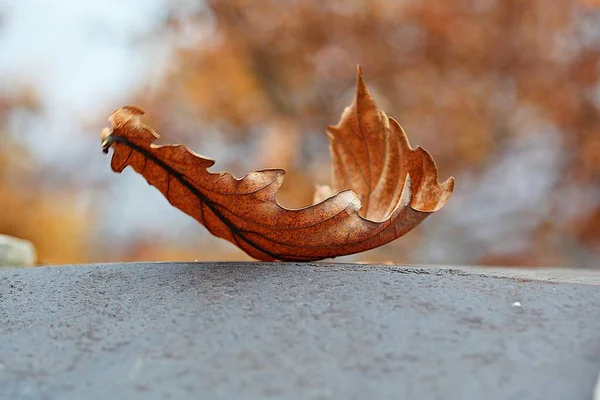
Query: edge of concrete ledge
[(542, 274)]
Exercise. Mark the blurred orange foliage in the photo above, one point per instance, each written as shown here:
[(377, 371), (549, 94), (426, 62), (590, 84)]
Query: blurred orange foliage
[(59, 230), (467, 79)]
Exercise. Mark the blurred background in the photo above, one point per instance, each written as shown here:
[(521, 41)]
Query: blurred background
[(505, 94)]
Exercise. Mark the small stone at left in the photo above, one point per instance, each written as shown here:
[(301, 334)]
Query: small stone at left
[(15, 252)]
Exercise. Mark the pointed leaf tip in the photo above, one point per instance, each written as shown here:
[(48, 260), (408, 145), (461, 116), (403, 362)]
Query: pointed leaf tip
[(360, 82)]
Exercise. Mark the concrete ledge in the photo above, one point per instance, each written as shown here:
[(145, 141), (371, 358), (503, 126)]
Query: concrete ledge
[(553, 275), (296, 331)]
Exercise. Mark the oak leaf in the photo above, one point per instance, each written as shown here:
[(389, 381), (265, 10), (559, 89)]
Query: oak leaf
[(382, 188)]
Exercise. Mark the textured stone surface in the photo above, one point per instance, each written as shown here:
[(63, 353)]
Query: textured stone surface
[(291, 331)]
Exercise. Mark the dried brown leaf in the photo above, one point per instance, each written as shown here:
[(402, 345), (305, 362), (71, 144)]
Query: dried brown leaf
[(382, 188)]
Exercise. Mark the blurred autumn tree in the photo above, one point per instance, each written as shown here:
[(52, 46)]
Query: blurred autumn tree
[(504, 93), (467, 79), (57, 227)]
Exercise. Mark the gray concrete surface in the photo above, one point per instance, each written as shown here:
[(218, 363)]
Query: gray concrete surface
[(292, 331)]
